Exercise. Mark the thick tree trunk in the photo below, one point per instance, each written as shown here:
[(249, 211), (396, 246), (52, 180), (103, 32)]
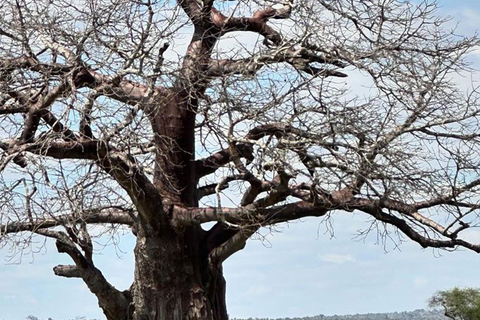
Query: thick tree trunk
[(174, 128), (173, 278)]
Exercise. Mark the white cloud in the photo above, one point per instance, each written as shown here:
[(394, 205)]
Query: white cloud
[(420, 281), (258, 290), (337, 258)]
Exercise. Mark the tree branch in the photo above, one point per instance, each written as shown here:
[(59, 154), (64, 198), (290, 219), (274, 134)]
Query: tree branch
[(36, 110), (300, 58), (374, 209), (93, 216), (236, 243), (250, 215), (118, 164), (115, 304), (68, 271), (258, 23), (210, 164)]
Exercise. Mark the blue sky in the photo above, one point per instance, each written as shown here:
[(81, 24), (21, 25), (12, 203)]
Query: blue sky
[(299, 271)]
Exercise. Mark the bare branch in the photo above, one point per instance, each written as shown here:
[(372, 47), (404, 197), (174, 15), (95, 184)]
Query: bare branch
[(300, 58), (112, 301), (68, 271), (94, 216), (232, 245), (212, 163), (250, 214), (410, 232)]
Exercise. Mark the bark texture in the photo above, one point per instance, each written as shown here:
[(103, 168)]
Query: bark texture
[(173, 279)]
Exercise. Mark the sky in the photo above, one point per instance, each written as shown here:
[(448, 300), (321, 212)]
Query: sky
[(302, 269)]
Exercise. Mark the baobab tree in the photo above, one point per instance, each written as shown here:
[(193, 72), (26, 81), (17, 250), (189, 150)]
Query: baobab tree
[(161, 116)]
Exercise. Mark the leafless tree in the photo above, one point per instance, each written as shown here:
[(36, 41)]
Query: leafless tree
[(159, 117)]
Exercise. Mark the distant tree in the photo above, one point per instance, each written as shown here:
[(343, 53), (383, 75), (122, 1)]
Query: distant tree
[(458, 304), (108, 116)]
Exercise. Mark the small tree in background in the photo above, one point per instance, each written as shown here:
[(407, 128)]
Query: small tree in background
[(459, 304)]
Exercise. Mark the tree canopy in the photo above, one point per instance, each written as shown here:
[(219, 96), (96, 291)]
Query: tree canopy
[(457, 303), (160, 116)]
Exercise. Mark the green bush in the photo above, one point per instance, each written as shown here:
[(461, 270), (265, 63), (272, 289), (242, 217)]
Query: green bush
[(458, 304)]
